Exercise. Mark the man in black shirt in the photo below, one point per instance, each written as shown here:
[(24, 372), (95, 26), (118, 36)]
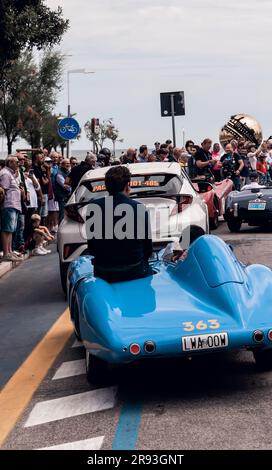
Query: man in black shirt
[(203, 159), (232, 166), (119, 254), (79, 170)]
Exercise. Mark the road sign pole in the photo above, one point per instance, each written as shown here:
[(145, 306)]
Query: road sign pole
[(68, 142), (173, 119)]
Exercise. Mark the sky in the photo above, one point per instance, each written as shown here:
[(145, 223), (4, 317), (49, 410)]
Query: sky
[(217, 52)]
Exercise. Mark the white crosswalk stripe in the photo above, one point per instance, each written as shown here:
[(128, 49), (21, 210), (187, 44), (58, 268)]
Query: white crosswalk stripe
[(70, 369), (72, 405), (88, 444)]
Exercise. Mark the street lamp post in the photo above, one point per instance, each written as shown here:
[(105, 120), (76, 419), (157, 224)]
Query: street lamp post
[(68, 93)]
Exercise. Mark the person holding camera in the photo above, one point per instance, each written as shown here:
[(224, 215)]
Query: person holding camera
[(232, 165), (203, 159)]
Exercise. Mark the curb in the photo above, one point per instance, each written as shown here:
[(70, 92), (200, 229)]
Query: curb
[(7, 266)]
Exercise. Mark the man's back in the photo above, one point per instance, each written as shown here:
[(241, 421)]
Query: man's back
[(124, 232)]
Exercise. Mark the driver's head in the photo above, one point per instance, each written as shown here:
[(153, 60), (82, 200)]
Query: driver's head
[(117, 180), (253, 176)]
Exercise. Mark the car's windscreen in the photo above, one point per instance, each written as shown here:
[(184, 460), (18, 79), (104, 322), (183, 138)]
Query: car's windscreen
[(141, 186)]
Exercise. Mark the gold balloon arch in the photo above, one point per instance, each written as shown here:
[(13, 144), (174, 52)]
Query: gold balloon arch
[(243, 128)]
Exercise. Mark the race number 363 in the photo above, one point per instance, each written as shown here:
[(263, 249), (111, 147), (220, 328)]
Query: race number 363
[(201, 325)]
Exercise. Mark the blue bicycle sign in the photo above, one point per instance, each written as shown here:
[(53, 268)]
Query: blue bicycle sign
[(69, 128)]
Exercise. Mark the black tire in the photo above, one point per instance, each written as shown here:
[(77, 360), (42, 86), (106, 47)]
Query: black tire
[(63, 267), (74, 316), (195, 233), (234, 225), (263, 359), (97, 370), (215, 221)]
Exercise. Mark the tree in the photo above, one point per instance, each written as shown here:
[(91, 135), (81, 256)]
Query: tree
[(25, 24), (49, 131), (27, 95), (113, 134), (14, 99), (47, 83), (105, 130)]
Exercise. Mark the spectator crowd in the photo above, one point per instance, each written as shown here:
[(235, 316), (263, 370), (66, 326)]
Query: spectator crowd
[(34, 191)]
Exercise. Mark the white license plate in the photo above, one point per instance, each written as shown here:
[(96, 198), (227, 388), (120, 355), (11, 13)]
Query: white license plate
[(256, 206), (201, 342)]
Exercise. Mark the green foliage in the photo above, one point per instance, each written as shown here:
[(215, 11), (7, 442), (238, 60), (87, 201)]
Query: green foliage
[(106, 130), (28, 93), (49, 132), (25, 24)]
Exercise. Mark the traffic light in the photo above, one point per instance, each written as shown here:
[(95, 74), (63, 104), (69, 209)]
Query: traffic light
[(95, 125)]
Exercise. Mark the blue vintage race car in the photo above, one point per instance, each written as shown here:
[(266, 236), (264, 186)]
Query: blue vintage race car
[(208, 302)]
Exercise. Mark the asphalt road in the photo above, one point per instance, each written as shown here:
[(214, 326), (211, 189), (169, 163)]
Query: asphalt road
[(30, 302), (214, 402)]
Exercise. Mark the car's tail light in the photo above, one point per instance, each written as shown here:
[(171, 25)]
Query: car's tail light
[(149, 347), (270, 335), (182, 204), (73, 214), (68, 250), (135, 349), (258, 336)]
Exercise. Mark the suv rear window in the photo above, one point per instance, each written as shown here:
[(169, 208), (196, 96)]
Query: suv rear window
[(141, 186)]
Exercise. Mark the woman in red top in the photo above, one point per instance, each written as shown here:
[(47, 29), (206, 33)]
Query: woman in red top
[(262, 169)]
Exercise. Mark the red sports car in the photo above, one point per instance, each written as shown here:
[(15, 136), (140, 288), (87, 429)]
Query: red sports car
[(214, 194)]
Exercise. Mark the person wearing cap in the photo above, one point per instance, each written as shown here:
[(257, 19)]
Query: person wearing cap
[(254, 184)]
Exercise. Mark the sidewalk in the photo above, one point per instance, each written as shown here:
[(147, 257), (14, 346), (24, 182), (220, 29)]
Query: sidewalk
[(6, 266)]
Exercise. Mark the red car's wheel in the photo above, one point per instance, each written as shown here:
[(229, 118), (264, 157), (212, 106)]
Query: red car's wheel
[(214, 221)]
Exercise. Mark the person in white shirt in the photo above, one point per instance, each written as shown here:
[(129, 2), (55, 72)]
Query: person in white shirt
[(252, 156), (33, 187), (254, 177)]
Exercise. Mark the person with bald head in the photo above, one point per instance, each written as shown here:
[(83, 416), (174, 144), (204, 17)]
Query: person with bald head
[(130, 156), (78, 171), (62, 190)]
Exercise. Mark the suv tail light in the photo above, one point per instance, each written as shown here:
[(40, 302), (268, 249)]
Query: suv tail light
[(183, 202), (73, 214)]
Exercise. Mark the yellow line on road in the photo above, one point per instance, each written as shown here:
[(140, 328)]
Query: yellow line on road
[(18, 392)]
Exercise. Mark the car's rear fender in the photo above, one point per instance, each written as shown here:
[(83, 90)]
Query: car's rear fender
[(78, 270)]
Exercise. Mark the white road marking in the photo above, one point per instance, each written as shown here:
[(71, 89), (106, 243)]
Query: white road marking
[(70, 369), (72, 405), (77, 344), (87, 444)]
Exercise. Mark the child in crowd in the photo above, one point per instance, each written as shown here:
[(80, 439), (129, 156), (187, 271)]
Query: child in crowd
[(38, 236)]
